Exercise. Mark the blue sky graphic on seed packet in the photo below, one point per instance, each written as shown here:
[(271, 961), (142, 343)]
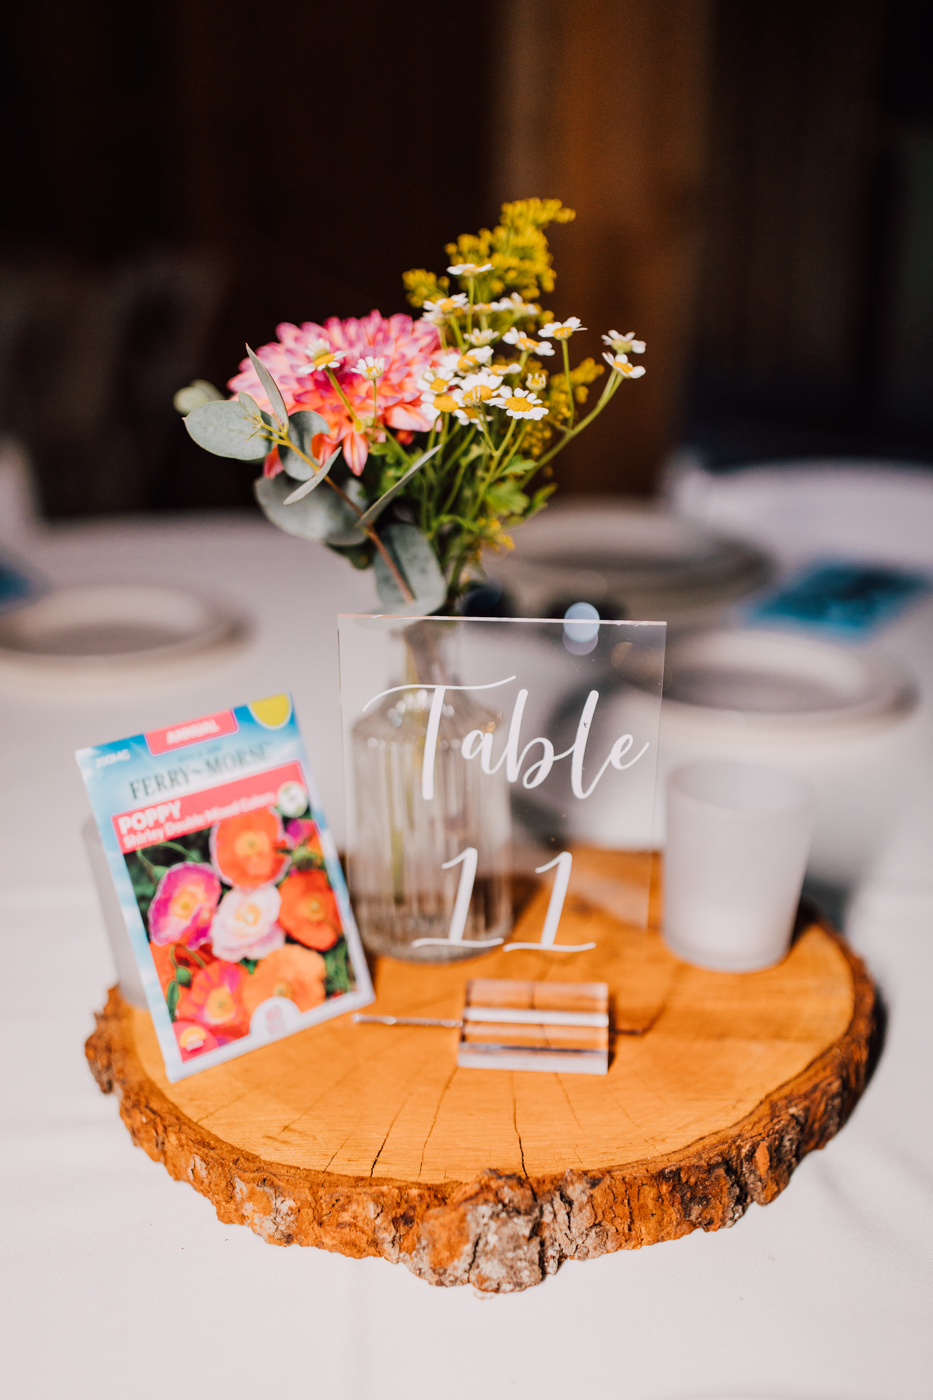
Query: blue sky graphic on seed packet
[(228, 878)]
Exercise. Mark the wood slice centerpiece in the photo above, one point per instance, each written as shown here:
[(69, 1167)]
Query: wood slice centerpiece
[(368, 1140)]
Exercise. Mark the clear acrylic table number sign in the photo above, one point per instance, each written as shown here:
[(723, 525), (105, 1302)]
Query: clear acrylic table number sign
[(481, 757)]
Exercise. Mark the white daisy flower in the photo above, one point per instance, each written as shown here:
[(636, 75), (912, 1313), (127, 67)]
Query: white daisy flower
[(469, 269), (538, 380), (440, 391), (445, 306), (527, 343), (562, 330), (624, 344), (520, 404), (435, 404), (473, 359), (475, 391), (620, 364), (445, 364), (481, 337), (322, 357), (370, 367), (514, 304), (477, 388), (436, 379)]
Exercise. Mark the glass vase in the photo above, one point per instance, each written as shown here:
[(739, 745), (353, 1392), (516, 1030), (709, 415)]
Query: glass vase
[(412, 856)]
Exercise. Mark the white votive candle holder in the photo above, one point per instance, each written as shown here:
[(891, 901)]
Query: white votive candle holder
[(738, 836)]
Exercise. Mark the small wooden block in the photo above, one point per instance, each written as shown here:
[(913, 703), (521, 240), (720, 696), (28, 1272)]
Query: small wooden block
[(552, 1027)]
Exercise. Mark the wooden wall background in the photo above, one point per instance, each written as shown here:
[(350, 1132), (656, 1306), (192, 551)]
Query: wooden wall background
[(605, 102), (754, 187)]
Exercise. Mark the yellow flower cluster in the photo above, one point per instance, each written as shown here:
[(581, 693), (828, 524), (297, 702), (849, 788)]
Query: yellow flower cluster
[(517, 249)]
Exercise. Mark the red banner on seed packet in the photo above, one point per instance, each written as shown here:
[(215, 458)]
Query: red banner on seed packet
[(176, 816), (178, 735)]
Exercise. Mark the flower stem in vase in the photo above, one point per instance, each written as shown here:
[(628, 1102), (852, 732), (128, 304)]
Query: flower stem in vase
[(408, 830)]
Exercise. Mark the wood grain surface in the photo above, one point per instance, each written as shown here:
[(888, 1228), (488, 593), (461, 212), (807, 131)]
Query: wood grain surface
[(369, 1140)]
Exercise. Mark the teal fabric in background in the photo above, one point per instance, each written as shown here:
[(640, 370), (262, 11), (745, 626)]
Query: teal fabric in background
[(841, 598)]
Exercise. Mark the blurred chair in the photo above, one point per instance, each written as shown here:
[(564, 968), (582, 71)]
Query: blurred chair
[(89, 359)]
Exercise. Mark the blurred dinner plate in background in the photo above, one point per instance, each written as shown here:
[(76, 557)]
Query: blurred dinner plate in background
[(760, 681), (105, 632), (629, 560)]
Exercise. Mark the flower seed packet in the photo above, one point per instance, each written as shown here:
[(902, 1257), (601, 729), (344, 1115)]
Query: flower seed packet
[(229, 882)]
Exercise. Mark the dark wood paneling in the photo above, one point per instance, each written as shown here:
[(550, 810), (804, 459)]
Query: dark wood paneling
[(604, 105)]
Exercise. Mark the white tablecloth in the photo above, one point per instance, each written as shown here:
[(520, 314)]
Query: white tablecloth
[(118, 1281)]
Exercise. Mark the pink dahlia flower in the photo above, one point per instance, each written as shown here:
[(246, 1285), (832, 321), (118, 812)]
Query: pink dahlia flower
[(407, 348), (183, 905)]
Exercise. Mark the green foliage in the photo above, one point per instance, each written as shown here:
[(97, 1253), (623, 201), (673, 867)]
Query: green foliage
[(305, 859), (273, 392), (338, 977), (322, 516), (411, 550), (144, 880), (193, 395), (302, 427), (228, 429), (359, 555), (376, 509), (507, 499)]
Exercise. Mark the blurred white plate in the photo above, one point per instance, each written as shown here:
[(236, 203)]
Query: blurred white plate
[(779, 680), (628, 560), (109, 630)]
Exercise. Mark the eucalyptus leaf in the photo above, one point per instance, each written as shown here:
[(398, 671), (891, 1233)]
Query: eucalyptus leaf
[(225, 428), (193, 395), (273, 392), (376, 509), (322, 516), (303, 426), (359, 555), (311, 484), (411, 550)]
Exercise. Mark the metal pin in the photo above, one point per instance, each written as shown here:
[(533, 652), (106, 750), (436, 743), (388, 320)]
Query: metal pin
[(407, 1021), (452, 1025)]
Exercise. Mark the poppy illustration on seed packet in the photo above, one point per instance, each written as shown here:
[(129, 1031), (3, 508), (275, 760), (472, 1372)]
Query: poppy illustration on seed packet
[(228, 878)]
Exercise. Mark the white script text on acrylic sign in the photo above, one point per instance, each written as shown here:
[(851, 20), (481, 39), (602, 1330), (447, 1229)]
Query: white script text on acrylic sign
[(555, 908), (480, 743)]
